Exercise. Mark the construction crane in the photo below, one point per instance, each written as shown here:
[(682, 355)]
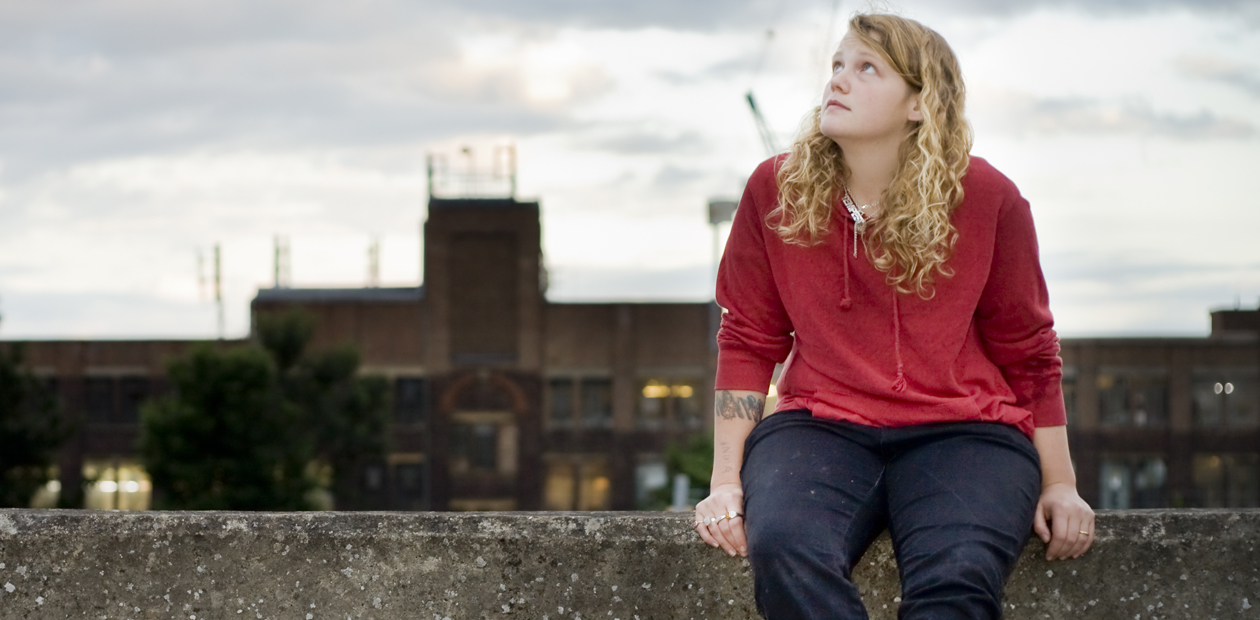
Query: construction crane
[(763, 129), (767, 137)]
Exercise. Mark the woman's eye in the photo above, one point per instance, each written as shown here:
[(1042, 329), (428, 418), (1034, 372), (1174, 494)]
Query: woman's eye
[(868, 67), (835, 66)]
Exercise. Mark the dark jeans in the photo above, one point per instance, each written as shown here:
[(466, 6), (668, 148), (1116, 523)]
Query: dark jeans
[(958, 500)]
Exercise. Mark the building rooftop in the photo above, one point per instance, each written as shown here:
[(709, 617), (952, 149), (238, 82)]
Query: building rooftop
[(402, 294)]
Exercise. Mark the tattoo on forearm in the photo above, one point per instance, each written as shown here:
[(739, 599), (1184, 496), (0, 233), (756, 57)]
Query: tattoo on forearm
[(749, 407), (727, 466)]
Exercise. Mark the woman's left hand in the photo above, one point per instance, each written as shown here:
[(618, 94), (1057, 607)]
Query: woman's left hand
[(1064, 522)]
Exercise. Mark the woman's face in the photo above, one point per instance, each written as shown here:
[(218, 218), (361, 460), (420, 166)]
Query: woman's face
[(865, 99)]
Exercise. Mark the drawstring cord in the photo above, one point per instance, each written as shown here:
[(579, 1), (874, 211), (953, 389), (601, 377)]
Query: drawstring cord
[(846, 302), (900, 384)]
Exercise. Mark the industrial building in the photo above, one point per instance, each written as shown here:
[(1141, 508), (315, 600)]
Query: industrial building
[(504, 400)]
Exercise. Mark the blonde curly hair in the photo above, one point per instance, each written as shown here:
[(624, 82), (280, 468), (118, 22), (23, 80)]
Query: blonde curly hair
[(913, 237)]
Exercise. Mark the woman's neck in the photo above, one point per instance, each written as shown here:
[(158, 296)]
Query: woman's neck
[(871, 168)]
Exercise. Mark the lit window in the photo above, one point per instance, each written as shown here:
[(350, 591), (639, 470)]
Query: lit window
[(674, 403), (1226, 396), (116, 485)]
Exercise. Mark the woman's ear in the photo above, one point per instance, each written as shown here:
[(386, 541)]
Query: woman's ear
[(916, 110)]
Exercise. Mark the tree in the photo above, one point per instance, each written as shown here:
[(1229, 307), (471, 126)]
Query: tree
[(227, 438), (244, 425), (346, 414), (31, 430), (693, 458)]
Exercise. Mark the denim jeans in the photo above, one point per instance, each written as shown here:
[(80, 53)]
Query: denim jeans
[(958, 500)]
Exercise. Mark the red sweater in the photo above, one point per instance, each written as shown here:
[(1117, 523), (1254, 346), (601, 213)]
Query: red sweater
[(983, 349)]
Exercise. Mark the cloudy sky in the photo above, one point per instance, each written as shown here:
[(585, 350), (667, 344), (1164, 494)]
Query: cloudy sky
[(137, 134)]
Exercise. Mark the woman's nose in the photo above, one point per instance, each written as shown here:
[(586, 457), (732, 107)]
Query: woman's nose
[(840, 81)]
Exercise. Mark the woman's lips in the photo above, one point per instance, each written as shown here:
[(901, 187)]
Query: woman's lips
[(837, 104)]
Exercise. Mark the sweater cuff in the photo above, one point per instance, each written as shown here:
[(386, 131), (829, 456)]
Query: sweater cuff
[(740, 369), (1048, 408)]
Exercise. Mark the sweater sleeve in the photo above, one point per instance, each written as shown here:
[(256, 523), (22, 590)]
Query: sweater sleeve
[(756, 332), (1013, 318)]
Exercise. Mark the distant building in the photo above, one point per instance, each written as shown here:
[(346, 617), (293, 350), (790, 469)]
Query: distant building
[(506, 401)]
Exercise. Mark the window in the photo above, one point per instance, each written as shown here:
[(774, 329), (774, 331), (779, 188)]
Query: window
[(1227, 480), (1069, 393), (560, 403), (100, 399), (596, 403), (116, 485), (409, 483), (672, 403), (474, 446), (483, 442), (1132, 397), (577, 482), (1226, 396), (132, 392), (411, 400), (1132, 481)]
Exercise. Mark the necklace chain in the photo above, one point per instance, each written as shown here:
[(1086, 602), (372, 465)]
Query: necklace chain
[(859, 216)]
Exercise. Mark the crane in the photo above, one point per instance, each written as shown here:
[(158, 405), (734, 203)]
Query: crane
[(767, 137)]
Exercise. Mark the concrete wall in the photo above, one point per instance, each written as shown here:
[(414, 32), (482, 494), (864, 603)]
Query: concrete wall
[(621, 566)]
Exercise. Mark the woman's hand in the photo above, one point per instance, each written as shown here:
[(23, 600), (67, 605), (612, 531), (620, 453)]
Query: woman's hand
[(723, 508), (1064, 522)]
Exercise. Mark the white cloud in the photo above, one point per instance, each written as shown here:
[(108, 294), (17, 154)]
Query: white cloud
[(135, 133)]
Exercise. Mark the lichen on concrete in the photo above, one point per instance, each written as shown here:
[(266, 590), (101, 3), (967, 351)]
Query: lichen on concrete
[(617, 566)]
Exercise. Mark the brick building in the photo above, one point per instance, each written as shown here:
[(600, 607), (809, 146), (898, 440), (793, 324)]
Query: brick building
[(506, 401)]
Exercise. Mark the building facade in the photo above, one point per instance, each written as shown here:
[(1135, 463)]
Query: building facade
[(503, 400)]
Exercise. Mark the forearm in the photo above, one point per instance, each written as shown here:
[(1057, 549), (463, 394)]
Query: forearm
[(1056, 461), (735, 414)]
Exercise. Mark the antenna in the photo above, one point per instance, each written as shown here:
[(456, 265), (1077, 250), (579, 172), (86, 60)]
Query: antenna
[(374, 263), (280, 264), (201, 275), (218, 285)]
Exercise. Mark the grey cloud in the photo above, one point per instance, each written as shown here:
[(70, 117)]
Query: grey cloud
[(645, 141), (1242, 9), (1225, 71), (1089, 116), (690, 15), (671, 176)]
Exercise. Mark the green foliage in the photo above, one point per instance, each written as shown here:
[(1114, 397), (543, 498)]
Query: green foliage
[(227, 439), (348, 416), (693, 457), (31, 430), (285, 335), (244, 424)]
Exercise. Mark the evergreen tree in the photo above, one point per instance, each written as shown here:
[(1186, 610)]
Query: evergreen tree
[(244, 424), (346, 414), (31, 430), (227, 438)]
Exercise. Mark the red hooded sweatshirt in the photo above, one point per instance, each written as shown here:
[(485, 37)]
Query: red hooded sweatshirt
[(982, 349)]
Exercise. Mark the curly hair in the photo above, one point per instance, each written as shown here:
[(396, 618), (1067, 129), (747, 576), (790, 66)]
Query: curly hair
[(913, 237)]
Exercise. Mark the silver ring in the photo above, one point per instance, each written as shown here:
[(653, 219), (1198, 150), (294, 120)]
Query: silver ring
[(707, 521)]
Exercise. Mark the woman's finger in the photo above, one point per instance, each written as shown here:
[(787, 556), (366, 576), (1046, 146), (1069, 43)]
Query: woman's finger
[(1039, 524), (1058, 533), (737, 533), (703, 530), (1087, 525)]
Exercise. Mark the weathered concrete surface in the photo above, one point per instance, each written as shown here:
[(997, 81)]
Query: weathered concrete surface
[(620, 566)]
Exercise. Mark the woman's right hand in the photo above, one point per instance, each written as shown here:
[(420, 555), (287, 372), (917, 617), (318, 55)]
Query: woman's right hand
[(727, 533)]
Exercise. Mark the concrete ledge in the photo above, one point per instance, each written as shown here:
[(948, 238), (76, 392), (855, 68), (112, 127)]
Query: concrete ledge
[(1196, 564)]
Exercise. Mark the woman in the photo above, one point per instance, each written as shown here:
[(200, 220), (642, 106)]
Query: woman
[(896, 279)]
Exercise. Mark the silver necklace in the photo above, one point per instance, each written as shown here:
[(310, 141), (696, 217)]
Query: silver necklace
[(859, 217)]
